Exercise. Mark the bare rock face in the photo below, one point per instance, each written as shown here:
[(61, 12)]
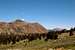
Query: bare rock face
[(19, 27)]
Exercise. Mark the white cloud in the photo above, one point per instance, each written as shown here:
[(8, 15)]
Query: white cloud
[(22, 19)]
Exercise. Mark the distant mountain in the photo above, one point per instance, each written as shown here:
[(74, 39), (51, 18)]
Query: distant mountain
[(19, 26), (57, 29)]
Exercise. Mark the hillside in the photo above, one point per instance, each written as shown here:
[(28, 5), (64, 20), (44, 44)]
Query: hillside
[(19, 26)]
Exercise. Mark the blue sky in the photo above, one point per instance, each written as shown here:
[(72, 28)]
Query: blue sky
[(50, 13)]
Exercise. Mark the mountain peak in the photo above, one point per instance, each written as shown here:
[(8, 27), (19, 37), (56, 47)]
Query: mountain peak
[(22, 26), (19, 20), (57, 29)]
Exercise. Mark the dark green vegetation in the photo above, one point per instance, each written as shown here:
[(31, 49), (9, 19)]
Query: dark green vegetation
[(53, 39), (65, 43)]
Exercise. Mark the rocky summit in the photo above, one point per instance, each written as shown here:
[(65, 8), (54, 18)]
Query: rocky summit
[(19, 26)]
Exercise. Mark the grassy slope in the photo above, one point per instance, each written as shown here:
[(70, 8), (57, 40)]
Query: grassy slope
[(67, 43)]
